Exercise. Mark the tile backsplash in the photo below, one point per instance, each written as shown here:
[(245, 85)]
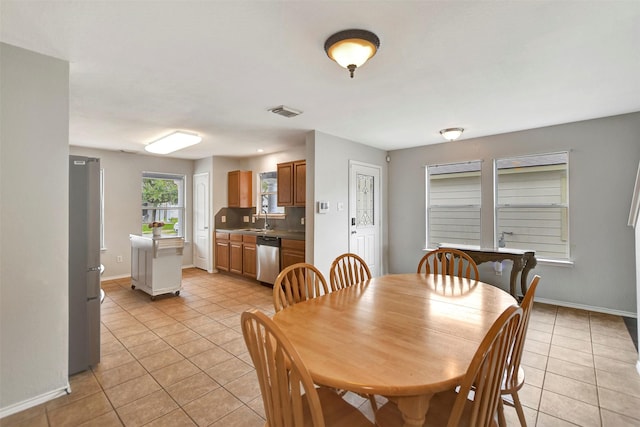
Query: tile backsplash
[(235, 219)]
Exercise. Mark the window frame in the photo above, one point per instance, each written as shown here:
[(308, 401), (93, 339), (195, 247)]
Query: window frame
[(260, 195), (564, 219), (428, 193), (181, 206)]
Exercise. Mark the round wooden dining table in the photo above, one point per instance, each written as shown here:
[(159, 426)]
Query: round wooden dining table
[(402, 336)]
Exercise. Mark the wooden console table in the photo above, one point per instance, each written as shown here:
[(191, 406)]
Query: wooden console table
[(523, 262)]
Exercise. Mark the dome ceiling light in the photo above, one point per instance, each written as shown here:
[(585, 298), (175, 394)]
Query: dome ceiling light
[(352, 48), (451, 134)]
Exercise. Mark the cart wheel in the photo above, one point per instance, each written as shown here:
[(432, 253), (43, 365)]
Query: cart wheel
[(133, 286), (177, 293), (153, 297)]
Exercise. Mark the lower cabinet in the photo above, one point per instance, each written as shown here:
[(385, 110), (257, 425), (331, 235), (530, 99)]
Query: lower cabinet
[(235, 253), (222, 251), (291, 252), (249, 259)]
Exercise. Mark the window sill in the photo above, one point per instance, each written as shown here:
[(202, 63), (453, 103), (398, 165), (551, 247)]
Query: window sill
[(555, 262)]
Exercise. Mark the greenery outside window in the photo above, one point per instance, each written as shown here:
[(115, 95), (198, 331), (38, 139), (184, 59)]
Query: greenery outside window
[(532, 204), (163, 200), (453, 204), (268, 197)]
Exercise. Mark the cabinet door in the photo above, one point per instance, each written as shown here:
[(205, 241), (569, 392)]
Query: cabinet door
[(291, 252), (285, 184), (222, 255), (233, 189), (249, 260), (222, 251), (240, 189), (235, 257), (300, 179)]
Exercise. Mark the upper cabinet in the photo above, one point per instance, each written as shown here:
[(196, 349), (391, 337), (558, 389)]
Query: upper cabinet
[(240, 190), (292, 181)]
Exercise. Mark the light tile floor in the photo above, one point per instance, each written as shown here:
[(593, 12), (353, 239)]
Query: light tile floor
[(181, 361)]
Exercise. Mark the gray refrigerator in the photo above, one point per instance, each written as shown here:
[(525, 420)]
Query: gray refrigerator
[(84, 263)]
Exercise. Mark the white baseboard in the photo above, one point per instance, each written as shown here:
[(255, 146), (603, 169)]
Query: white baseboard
[(588, 307), (35, 401)]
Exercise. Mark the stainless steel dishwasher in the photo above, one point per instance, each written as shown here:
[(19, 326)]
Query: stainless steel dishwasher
[(268, 251)]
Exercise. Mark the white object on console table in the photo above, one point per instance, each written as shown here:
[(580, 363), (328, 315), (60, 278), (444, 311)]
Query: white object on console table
[(156, 264)]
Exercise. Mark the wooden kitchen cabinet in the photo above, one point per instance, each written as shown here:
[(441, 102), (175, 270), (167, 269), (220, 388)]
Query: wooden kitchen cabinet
[(222, 251), (235, 253), (249, 260), (292, 181), (291, 252), (240, 189)]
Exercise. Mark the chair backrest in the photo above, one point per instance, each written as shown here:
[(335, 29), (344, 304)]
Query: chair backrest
[(348, 269), (449, 262), (511, 372), (284, 379), (485, 373), (296, 283)]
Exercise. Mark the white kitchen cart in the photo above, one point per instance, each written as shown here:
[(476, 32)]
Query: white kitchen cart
[(156, 264)]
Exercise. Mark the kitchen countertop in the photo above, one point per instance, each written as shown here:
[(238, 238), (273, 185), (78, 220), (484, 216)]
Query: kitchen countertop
[(283, 234)]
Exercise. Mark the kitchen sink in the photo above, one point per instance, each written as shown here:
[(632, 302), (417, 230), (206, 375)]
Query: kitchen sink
[(257, 230)]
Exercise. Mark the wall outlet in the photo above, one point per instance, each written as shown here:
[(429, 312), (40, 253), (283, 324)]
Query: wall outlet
[(302, 221), (245, 218), (119, 258), (223, 218), (253, 219)]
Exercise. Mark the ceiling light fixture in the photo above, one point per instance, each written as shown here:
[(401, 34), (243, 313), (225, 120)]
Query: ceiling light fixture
[(173, 142), (352, 48), (451, 134)]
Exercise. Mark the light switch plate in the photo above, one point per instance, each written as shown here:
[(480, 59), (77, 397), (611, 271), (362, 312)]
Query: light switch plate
[(223, 218)]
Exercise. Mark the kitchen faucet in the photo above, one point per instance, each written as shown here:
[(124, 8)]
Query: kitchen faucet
[(266, 218)]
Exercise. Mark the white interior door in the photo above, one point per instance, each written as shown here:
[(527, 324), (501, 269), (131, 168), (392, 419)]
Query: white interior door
[(202, 235), (364, 213)]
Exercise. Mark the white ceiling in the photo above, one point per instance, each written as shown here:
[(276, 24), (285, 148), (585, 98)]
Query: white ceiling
[(142, 69)]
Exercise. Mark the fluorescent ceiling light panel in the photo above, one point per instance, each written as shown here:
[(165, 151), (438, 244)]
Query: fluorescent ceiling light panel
[(173, 142)]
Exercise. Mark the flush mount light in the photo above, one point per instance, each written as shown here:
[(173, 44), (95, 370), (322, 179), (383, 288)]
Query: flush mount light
[(173, 142), (352, 48), (451, 134)]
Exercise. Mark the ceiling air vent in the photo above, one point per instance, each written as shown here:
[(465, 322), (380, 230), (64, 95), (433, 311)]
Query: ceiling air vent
[(285, 111)]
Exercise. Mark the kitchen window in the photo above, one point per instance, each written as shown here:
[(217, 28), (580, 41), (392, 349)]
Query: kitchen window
[(268, 197), (163, 200), (453, 203), (532, 204)]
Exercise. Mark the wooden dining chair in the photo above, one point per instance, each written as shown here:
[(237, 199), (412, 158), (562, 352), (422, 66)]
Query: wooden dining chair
[(296, 283), (514, 373), (346, 270), (289, 395), (483, 377), (449, 262)]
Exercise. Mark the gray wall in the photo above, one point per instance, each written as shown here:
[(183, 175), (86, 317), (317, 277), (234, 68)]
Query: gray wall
[(34, 228), (329, 158), (603, 160), (123, 202)]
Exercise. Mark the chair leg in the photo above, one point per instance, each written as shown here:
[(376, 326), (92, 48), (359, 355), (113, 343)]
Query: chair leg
[(502, 422), (518, 405), (374, 404)]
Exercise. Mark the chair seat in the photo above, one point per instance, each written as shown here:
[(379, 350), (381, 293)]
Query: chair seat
[(336, 411), (440, 407)]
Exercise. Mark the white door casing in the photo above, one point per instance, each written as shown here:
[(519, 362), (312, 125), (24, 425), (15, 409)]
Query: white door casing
[(364, 214), (201, 238)]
